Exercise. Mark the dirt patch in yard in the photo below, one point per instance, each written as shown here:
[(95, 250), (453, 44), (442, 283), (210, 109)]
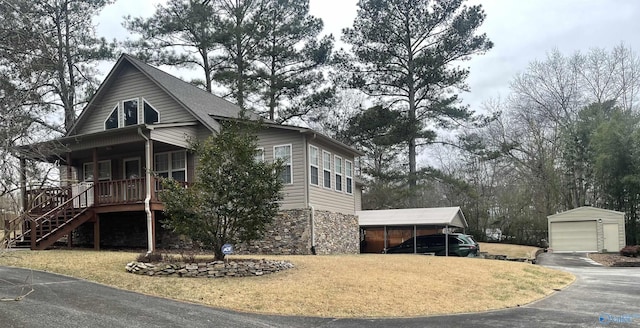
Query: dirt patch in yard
[(615, 260)]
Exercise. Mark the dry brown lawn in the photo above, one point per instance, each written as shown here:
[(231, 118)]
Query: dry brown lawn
[(371, 285), (511, 251)]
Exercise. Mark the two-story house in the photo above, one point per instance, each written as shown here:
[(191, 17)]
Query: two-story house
[(138, 126)]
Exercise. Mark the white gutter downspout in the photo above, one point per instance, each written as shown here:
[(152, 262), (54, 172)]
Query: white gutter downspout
[(306, 183), (147, 199)]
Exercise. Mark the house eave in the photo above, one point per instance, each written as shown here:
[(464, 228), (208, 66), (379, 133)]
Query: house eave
[(52, 150)]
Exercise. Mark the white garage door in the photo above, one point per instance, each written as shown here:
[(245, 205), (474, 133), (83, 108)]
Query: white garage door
[(579, 236)]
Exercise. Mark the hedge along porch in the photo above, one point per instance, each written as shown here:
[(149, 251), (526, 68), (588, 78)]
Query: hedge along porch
[(380, 229), (586, 229)]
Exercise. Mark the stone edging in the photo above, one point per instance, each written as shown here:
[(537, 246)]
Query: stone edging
[(215, 269)]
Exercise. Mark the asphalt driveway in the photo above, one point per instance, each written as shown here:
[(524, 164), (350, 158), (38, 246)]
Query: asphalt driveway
[(601, 297)]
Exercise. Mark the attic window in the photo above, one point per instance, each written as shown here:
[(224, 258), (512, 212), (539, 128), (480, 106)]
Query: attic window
[(112, 120), (151, 115), (130, 109)]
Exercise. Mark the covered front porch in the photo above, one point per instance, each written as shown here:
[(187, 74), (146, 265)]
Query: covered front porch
[(99, 174)]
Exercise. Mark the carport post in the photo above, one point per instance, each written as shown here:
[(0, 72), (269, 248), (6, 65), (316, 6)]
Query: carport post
[(446, 240), (415, 240), (385, 238)]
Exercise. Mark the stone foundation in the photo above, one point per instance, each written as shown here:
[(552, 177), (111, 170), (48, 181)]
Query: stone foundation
[(290, 234), (336, 233)]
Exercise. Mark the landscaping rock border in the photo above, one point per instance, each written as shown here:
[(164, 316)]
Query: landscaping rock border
[(215, 269)]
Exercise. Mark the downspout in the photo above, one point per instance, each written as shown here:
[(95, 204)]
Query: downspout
[(313, 228), (147, 199), (306, 191)]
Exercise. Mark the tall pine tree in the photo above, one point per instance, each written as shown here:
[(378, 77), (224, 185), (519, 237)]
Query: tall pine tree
[(289, 60), (406, 51)]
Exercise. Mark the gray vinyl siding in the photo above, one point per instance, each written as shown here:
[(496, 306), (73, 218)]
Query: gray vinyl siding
[(132, 84), (329, 199), (178, 136), (357, 193), (295, 193)]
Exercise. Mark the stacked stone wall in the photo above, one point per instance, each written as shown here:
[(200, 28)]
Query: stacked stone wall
[(288, 234), (336, 233)]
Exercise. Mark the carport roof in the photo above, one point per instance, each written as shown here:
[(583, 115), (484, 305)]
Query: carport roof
[(437, 216)]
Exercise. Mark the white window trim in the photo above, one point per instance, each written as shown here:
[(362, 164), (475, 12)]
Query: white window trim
[(170, 163), (84, 170), (124, 166), (317, 165), (152, 107), (324, 169), (347, 177), (290, 159), (117, 109), (261, 150), (335, 161), (137, 111)]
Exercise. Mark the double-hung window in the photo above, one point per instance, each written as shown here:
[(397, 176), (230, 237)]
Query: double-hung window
[(283, 152), (171, 164), (104, 171), (348, 172), (338, 170), (326, 169), (314, 165)]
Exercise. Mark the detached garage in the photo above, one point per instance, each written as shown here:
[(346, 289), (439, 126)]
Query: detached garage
[(586, 229)]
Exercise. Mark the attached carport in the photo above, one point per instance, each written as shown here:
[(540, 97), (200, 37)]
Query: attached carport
[(380, 229), (586, 229)]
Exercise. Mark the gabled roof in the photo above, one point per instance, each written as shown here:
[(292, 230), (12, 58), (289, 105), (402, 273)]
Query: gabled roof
[(437, 216), (196, 101), (585, 209)]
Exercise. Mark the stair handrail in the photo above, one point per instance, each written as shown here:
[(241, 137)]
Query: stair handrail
[(47, 216), (59, 207), (11, 225)]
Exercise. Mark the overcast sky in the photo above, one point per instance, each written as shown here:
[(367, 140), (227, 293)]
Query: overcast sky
[(522, 31)]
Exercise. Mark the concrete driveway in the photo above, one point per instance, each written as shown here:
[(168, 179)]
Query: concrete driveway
[(601, 297)]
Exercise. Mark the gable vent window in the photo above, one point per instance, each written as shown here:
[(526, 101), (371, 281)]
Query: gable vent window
[(112, 120), (130, 109), (151, 115)]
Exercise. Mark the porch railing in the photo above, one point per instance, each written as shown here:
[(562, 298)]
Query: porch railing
[(121, 191)]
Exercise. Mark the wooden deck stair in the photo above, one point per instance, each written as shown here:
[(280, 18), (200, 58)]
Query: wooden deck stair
[(39, 231)]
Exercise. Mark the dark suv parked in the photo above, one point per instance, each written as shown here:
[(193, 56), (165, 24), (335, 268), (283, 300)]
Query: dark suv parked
[(459, 245)]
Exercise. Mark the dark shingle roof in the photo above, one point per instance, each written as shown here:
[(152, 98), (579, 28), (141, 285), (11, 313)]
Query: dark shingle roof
[(200, 102)]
